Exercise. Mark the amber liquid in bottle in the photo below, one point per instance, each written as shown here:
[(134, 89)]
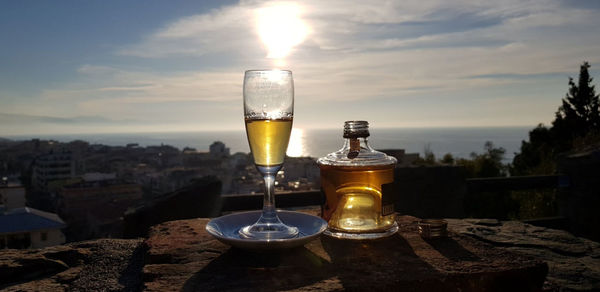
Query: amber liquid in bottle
[(353, 197)]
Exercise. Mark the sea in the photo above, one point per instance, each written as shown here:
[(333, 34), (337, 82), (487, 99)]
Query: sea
[(460, 142)]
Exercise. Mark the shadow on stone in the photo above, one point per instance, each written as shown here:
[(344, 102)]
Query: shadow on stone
[(387, 264), (28, 268), (452, 250), (259, 271), (131, 277)]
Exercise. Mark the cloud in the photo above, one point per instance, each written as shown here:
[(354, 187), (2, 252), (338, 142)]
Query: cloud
[(501, 34), (409, 56), (97, 70), (520, 76), (123, 86), (28, 120), (221, 30), (337, 25)]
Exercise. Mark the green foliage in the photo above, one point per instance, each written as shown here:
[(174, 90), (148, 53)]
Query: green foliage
[(532, 204), (488, 164), (503, 205), (512, 205), (428, 157), (536, 155), (578, 115), (576, 124), (448, 159), (591, 139)]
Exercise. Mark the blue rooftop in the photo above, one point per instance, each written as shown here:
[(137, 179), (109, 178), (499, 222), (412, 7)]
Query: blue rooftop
[(28, 219)]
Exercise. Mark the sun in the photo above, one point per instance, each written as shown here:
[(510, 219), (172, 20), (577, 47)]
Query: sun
[(280, 28)]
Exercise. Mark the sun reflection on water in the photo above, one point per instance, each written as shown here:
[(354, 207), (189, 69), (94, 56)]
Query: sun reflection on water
[(297, 145)]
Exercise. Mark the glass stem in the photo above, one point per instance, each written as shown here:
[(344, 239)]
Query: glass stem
[(268, 225), (269, 213)]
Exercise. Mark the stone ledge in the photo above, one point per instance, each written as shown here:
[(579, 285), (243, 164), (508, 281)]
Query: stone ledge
[(180, 255), (574, 262), (104, 264), (183, 257)]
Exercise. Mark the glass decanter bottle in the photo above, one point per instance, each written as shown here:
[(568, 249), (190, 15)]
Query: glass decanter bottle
[(357, 182)]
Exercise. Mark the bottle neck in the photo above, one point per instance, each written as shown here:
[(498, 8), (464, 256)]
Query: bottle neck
[(353, 146), (356, 152)]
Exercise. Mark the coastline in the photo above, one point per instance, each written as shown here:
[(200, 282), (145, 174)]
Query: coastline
[(460, 142)]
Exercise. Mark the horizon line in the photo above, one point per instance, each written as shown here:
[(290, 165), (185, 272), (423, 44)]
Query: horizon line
[(237, 129)]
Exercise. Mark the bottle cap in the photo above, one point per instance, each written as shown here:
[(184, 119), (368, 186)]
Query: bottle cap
[(356, 129), (433, 228)]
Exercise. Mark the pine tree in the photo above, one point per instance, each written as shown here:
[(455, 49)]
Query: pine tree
[(577, 119), (579, 114)]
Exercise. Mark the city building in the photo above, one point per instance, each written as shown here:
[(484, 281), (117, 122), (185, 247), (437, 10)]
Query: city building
[(300, 173), (52, 167), (12, 195), (30, 228), (96, 176), (95, 208)]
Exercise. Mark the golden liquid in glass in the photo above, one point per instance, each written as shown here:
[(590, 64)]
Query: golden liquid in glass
[(268, 140), (353, 197)]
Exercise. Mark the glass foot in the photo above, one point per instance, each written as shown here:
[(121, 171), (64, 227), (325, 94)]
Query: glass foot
[(268, 231)]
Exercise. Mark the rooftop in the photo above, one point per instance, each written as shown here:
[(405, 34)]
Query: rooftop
[(28, 219)]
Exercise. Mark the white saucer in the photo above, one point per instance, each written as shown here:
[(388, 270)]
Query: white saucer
[(226, 229)]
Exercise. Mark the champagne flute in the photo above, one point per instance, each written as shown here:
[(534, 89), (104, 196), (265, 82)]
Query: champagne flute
[(268, 112)]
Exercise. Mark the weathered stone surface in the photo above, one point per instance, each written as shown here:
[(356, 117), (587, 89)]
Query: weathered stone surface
[(26, 266), (574, 262), (183, 257), (180, 256), (100, 265)]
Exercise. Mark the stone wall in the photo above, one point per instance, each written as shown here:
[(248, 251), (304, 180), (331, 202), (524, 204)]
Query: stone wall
[(200, 199), (580, 201)]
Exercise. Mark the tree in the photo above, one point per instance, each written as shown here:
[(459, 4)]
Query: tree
[(488, 164), (577, 121), (536, 155), (448, 159), (579, 115), (428, 157)]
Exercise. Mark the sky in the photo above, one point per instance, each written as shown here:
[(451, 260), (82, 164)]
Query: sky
[(159, 66)]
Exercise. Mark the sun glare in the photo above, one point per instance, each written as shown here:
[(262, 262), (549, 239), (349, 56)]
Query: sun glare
[(296, 146), (280, 28)]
